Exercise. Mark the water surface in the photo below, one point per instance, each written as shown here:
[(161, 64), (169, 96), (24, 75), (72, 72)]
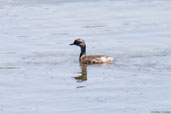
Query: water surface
[(40, 73)]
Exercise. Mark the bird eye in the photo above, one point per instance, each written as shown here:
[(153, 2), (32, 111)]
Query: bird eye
[(78, 42)]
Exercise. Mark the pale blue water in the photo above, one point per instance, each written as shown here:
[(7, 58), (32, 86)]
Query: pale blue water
[(40, 73)]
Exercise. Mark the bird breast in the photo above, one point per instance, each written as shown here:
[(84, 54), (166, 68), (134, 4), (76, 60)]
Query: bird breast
[(98, 59)]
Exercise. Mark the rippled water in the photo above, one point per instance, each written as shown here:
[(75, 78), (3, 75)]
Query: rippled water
[(40, 73)]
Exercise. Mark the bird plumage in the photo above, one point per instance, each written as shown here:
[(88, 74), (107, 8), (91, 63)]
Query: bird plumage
[(91, 59)]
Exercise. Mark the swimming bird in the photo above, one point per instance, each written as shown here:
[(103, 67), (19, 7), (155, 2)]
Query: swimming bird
[(91, 59)]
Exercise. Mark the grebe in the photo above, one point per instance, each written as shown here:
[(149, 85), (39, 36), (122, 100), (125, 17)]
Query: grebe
[(91, 59)]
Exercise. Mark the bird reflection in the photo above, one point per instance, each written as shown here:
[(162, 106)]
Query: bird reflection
[(83, 76)]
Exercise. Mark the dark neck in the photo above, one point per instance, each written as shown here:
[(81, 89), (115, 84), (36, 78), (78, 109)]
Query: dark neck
[(83, 51)]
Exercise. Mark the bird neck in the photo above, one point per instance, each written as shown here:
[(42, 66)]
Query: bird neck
[(83, 51)]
